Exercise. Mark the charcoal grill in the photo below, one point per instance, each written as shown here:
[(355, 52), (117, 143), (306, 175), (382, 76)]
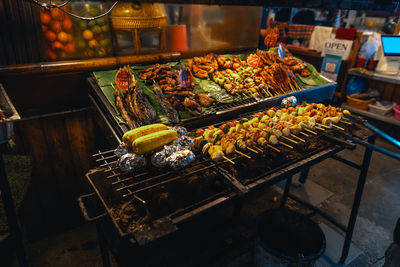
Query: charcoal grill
[(155, 218)]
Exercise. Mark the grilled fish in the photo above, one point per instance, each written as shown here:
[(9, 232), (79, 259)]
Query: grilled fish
[(166, 107), (142, 108)]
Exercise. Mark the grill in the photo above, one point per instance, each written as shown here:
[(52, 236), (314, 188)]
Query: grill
[(150, 204)]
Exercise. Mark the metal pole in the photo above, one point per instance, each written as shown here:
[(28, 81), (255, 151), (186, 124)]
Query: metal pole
[(11, 213), (287, 189), (105, 256), (357, 200)]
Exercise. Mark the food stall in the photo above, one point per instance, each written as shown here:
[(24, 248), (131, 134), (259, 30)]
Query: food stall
[(154, 136)]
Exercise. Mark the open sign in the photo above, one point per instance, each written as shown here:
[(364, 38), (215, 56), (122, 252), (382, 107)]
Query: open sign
[(337, 47)]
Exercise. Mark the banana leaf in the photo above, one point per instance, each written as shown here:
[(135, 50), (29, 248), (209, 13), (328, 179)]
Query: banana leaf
[(314, 79)]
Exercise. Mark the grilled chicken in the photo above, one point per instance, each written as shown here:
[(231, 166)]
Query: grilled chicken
[(205, 100)]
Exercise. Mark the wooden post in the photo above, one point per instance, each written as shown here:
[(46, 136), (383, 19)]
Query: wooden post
[(136, 40)]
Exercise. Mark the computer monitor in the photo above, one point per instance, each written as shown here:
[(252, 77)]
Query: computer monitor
[(391, 45), (389, 55)]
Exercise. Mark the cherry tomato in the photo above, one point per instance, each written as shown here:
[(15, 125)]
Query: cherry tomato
[(222, 126), (200, 131), (274, 109), (211, 127), (233, 123)]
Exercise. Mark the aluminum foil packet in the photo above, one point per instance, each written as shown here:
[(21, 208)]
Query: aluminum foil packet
[(159, 159), (131, 161), (180, 159), (183, 142), (121, 150), (289, 101), (180, 130)]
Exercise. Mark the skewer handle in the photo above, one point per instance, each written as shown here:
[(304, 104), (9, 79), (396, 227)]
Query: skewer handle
[(228, 159), (301, 139), (241, 153), (282, 143)]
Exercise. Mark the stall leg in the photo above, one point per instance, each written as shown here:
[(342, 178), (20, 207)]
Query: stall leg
[(237, 210), (105, 256), (304, 175), (286, 192), (356, 201), (11, 214)]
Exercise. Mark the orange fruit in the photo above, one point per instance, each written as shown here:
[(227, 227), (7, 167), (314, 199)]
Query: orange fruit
[(45, 18), (67, 24), (70, 48), (56, 14), (57, 46), (55, 26), (70, 38), (93, 43), (87, 34), (62, 37), (44, 28), (50, 54), (50, 36)]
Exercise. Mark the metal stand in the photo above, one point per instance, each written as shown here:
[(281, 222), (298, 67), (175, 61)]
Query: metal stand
[(356, 202), (15, 232), (105, 256)]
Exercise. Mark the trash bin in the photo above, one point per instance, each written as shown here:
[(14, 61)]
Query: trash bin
[(287, 238)]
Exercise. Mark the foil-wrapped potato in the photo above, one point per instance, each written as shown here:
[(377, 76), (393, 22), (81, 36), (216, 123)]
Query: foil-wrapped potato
[(131, 161), (180, 159)]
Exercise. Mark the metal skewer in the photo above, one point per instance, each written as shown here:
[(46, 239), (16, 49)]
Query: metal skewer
[(239, 152), (301, 139), (282, 143)]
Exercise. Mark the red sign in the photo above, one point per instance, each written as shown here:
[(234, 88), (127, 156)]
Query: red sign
[(124, 78)]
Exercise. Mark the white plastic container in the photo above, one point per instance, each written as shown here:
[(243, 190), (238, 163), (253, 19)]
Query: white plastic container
[(381, 110)]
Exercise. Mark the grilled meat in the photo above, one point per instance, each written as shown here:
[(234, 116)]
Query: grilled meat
[(205, 100), (192, 106), (124, 113), (165, 105), (142, 109)]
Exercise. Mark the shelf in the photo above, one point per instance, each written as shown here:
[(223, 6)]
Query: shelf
[(369, 114), (376, 76)]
